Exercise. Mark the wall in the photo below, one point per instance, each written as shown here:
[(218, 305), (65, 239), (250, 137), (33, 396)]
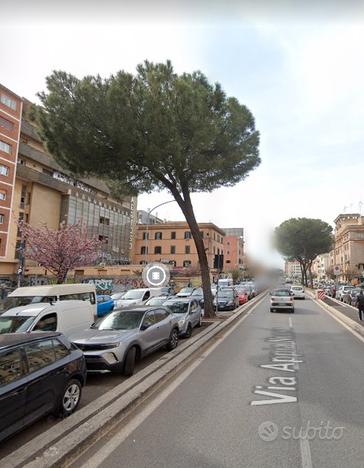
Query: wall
[(45, 207)]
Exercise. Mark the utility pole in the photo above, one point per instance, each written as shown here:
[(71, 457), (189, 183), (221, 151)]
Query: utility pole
[(20, 271)]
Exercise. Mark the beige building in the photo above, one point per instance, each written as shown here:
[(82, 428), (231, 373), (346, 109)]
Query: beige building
[(321, 266), (348, 255), (292, 269), (172, 243), (40, 192)]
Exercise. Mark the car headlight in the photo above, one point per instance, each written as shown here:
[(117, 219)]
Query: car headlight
[(230, 303), (181, 323)]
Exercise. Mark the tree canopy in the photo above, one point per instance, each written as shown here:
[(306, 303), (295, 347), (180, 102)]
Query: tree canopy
[(302, 239), (152, 130)]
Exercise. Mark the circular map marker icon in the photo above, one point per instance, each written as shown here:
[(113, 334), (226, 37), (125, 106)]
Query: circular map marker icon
[(156, 275)]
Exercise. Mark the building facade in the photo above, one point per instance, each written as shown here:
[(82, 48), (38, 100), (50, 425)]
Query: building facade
[(43, 193), (348, 253), (233, 249), (321, 266), (292, 269), (144, 217), (171, 243)]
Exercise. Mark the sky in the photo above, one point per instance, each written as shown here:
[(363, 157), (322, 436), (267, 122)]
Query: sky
[(299, 69)]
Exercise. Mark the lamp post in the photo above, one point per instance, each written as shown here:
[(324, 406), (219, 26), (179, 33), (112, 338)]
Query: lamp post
[(147, 233)]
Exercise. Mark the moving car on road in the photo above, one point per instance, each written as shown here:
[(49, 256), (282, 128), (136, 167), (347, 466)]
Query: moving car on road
[(116, 341), (40, 373), (188, 313), (298, 292), (281, 299)]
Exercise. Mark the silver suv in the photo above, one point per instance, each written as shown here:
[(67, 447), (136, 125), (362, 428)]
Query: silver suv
[(188, 313), (116, 341)]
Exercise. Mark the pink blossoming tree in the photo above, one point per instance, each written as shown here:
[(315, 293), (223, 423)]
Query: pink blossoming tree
[(60, 251)]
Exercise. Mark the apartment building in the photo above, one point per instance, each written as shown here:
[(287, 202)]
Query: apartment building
[(292, 269), (233, 249), (321, 266), (40, 192), (172, 243), (348, 253)]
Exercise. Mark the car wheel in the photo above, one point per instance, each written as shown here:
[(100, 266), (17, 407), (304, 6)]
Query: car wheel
[(292, 311), (173, 340), (199, 322), (272, 310), (70, 398), (188, 331), (129, 364)]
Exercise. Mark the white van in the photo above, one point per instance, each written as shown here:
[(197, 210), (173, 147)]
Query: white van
[(67, 317), (137, 297), (225, 283), (52, 293)]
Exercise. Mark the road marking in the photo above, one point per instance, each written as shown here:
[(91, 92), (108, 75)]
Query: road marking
[(290, 322), (98, 458), (305, 453)]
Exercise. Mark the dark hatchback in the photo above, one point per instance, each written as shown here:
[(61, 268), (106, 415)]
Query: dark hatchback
[(40, 373)]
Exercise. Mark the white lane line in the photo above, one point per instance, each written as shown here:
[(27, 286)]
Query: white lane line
[(104, 452), (305, 453), (290, 322)]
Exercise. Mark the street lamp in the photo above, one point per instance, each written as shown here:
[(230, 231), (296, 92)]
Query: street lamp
[(148, 219)]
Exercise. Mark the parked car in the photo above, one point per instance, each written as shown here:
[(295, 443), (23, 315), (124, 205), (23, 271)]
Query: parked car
[(66, 317), (117, 340), (244, 290), (105, 304), (243, 295), (298, 292), (281, 299), (350, 296), (40, 373), (188, 313), (156, 301), (52, 293), (117, 296), (226, 299), (342, 290), (185, 292), (137, 297)]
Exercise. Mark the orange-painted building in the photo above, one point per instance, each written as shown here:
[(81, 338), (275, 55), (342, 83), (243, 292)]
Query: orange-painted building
[(233, 249), (10, 120)]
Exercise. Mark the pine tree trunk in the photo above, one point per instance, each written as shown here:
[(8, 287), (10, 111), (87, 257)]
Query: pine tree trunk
[(187, 209)]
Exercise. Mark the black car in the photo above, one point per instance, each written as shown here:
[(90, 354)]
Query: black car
[(40, 373), (228, 298)]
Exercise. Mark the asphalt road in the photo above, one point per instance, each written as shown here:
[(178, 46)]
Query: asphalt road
[(223, 415)]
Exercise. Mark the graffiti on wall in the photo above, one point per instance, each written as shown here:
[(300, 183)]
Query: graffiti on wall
[(109, 286)]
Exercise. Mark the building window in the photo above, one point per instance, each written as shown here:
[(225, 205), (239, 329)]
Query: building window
[(228, 243), (202, 234), (186, 263), (188, 235), (227, 261), (144, 250), (2, 195), (187, 249), (7, 101), (173, 249), (104, 220), (104, 239), (158, 249), (145, 235), (5, 123), (158, 236), (5, 147), (173, 234), (2, 218)]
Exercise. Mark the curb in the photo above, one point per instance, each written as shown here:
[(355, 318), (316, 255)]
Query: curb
[(71, 435), (356, 327)]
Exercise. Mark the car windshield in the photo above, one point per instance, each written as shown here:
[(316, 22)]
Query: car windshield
[(177, 307), (15, 324), (197, 292), (126, 320), (156, 301), (186, 291), (134, 294), (226, 294), (25, 300), (281, 292)]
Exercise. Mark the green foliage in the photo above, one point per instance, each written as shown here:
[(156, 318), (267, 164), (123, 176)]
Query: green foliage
[(148, 131), (302, 239), (236, 274)]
